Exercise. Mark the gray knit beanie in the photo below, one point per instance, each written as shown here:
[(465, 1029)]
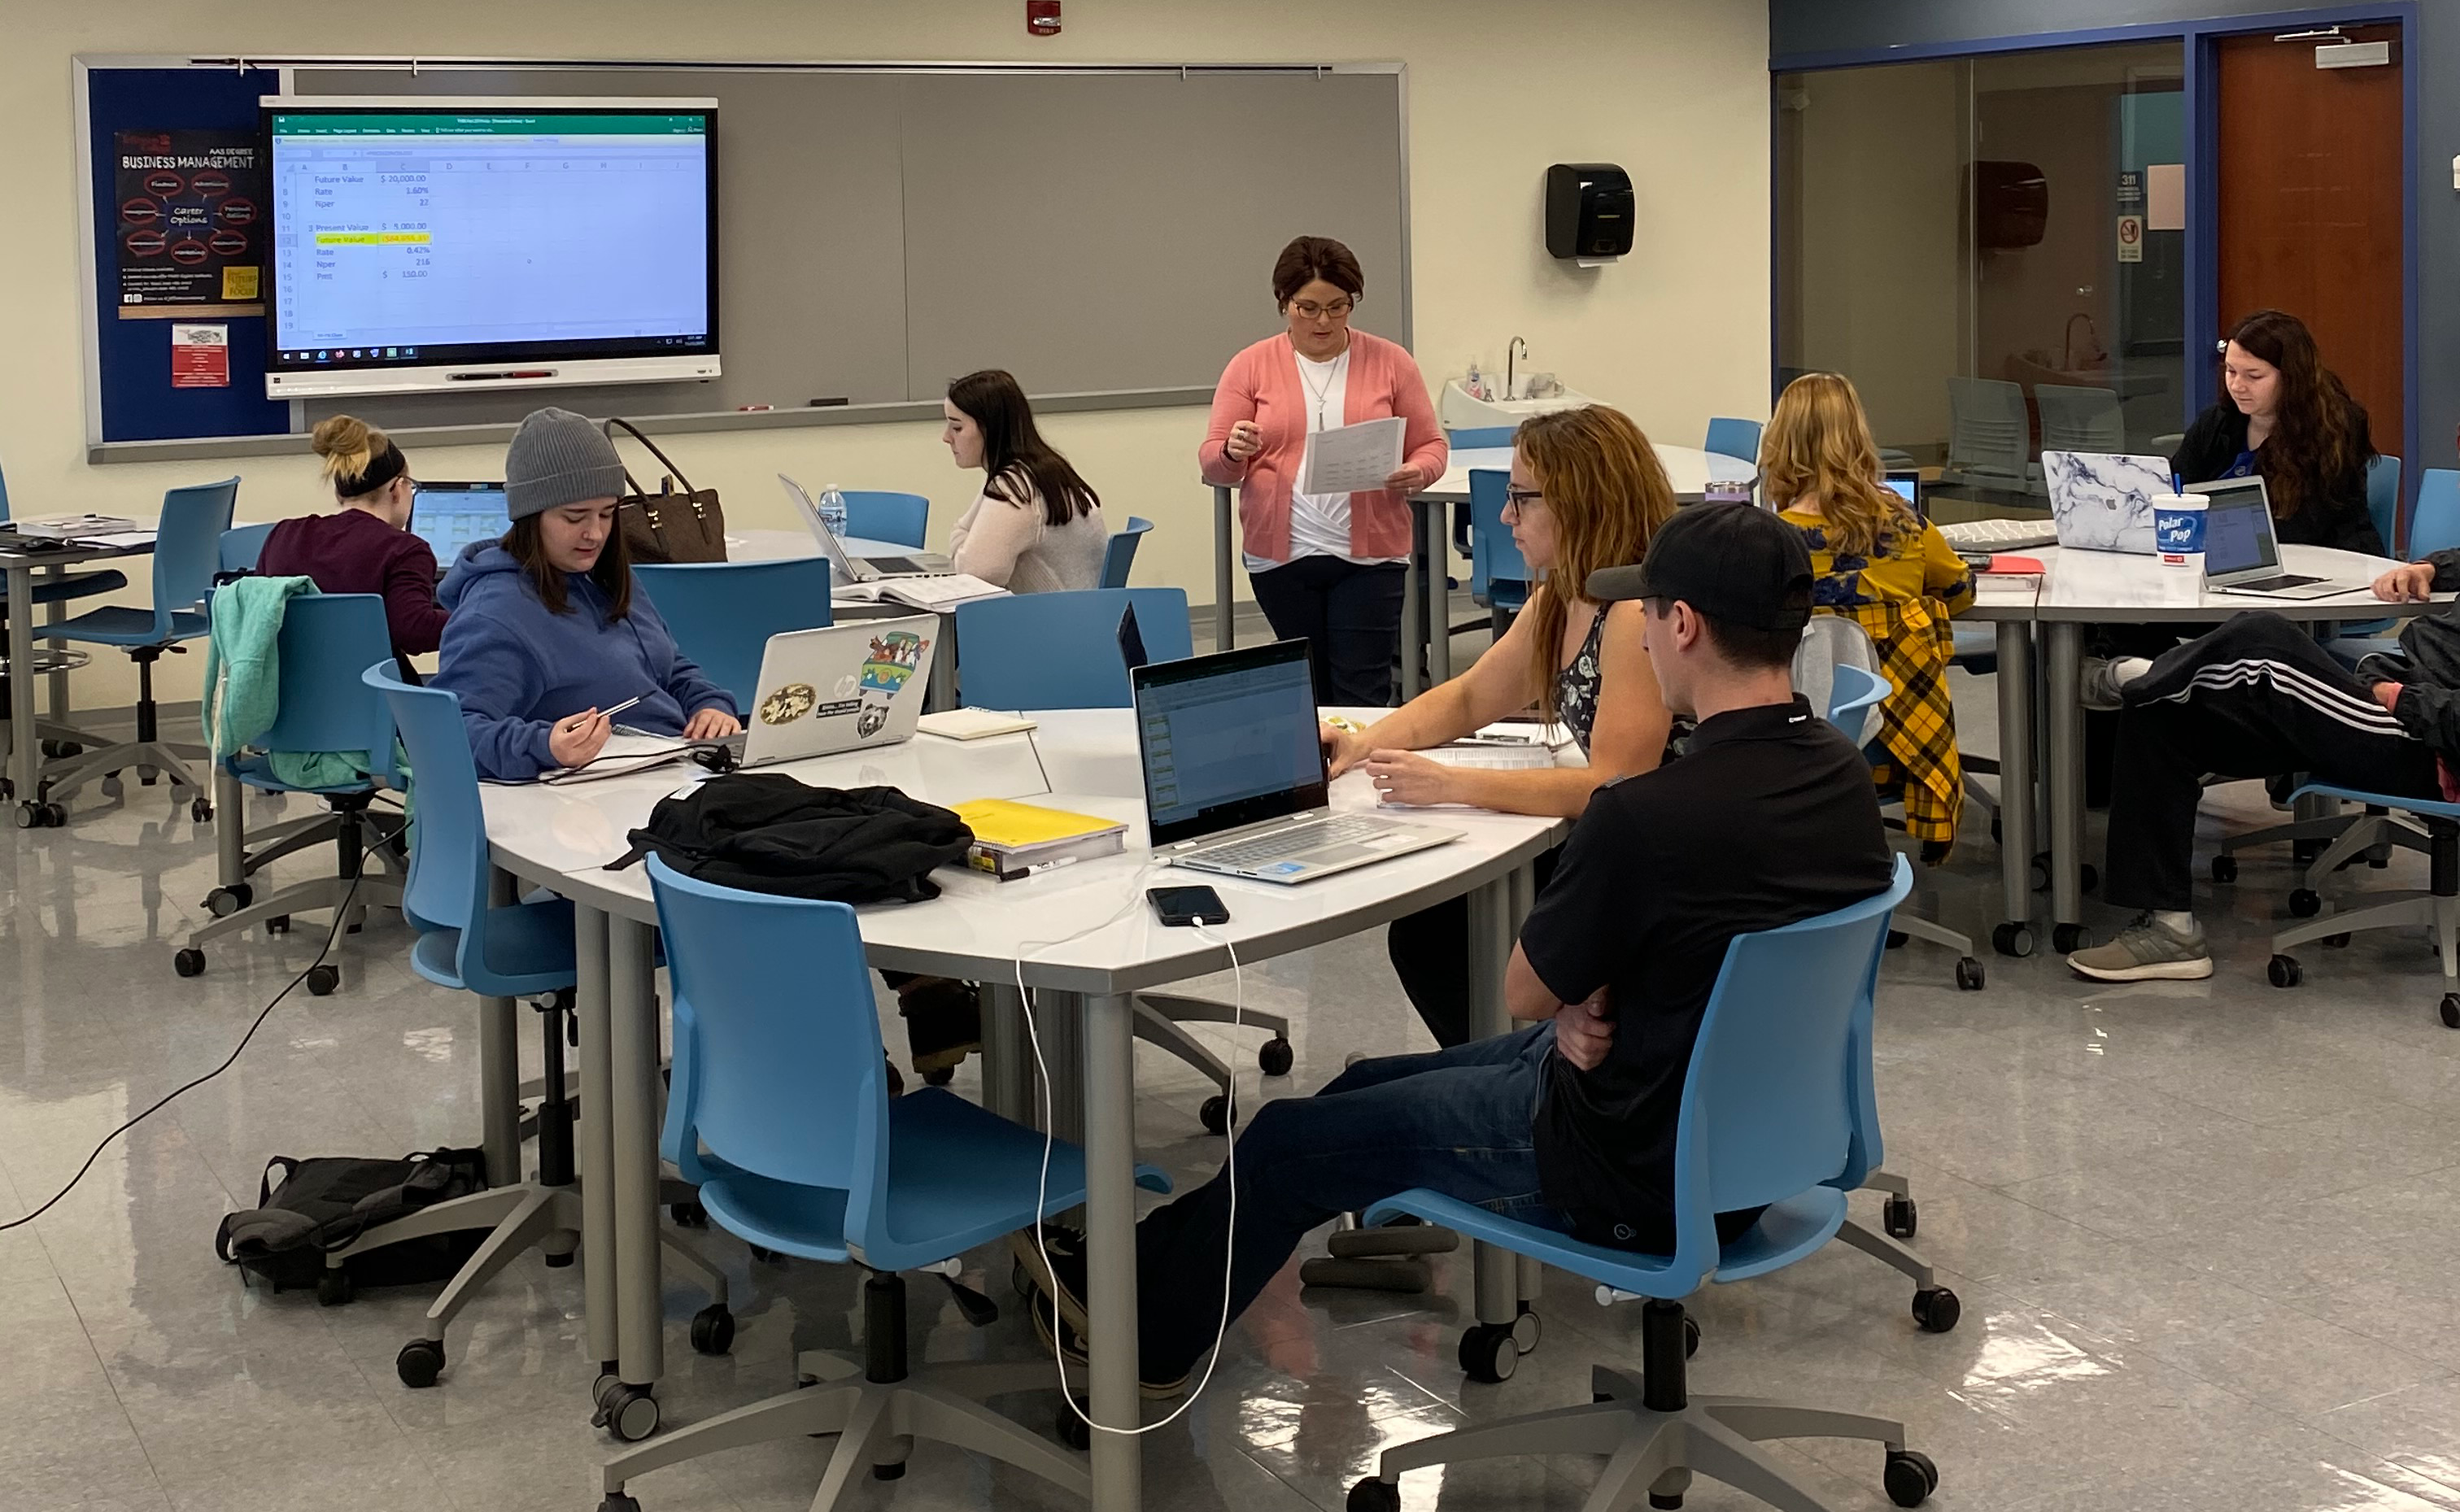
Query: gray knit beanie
[(558, 458)]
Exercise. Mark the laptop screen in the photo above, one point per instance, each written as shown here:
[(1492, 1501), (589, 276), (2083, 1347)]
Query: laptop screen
[(2237, 528), (1907, 486), (451, 515), (1228, 739)]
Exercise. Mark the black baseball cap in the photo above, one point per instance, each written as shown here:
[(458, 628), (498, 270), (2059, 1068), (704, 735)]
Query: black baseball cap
[(1736, 563)]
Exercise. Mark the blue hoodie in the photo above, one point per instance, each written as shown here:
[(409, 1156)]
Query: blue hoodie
[(518, 668)]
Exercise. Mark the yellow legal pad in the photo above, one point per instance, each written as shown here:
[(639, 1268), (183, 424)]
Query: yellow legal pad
[(1017, 826)]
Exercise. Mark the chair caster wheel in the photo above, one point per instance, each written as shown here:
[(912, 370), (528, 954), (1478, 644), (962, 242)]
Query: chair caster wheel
[(628, 1412), (1074, 1429), (1372, 1495), (1690, 1336), (940, 1077), (2283, 971), (2304, 902), (1664, 1503), (60, 750), (2088, 878), (767, 1256), (112, 786), (189, 962), (333, 1288), (2451, 1009), (2340, 941), (2065, 937), (1910, 1476), (889, 1472), (1216, 1114), (689, 1215), (1275, 1058), (419, 1362), (1935, 1309), (279, 924), (225, 901), (2224, 869), (617, 1502), (2012, 940), (1527, 1330), (201, 810), (1968, 975), (1488, 1354), (1018, 1281), (712, 1329), (322, 980), (55, 817), (1896, 940), (1900, 1218)]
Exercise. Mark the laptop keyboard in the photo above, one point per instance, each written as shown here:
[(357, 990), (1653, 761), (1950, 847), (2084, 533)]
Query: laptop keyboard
[(1998, 534), (1347, 829), (2275, 584)]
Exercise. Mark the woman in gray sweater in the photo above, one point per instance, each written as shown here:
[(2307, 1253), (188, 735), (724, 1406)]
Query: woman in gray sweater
[(1036, 527)]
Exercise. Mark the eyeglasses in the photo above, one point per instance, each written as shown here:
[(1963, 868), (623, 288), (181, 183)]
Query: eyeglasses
[(1309, 310), (1522, 498)]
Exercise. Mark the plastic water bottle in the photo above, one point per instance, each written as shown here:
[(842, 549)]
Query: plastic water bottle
[(833, 510)]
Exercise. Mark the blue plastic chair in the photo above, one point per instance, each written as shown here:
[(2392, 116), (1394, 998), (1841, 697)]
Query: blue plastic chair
[(721, 614), (2436, 831), (325, 704), (880, 515), (2382, 500), (779, 1107), (67, 585), (1120, 554), (2434, 520), (1061, 650), (240, 549), (1478, 438), (187, 553), (1499, 577), (1774, 1115), (1733, 438), (1853, 690)]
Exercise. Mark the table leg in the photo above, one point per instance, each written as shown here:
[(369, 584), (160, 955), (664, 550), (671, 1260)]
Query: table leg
[(230, 833), (500, 1048), (1436, 552), (25, 749), (1110, 1248), (2066, 758), (1224, 613), (632, 1033), (1497, 1271), (2013, 938), (1412, 641), (600, 1274), (941, 691), (53, 613), (1008, 1057)]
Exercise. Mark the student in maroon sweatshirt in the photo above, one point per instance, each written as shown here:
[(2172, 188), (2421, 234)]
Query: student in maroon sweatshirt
[(364, 546)]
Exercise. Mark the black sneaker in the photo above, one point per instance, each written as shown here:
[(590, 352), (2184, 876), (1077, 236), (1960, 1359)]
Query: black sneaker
[(943, 1022), (1066, 1342), (1063, 1277)]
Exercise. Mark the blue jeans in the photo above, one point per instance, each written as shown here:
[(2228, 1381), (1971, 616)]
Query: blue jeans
[(1459, 1121)]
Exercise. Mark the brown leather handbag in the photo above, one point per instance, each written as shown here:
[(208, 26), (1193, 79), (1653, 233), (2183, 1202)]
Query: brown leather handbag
[(669, 525)]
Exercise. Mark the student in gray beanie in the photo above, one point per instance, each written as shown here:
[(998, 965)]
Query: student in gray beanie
[(544, 628)]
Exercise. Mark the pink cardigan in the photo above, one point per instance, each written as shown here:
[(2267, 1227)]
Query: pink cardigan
[(1262, 384)]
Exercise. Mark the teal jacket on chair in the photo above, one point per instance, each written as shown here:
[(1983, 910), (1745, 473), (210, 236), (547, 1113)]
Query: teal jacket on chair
[(244, 681)]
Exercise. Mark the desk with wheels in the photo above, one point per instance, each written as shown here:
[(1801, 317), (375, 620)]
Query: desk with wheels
[(559, 837), (26, 572)]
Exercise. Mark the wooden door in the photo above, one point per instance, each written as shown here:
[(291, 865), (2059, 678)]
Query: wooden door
[(2310, 207)]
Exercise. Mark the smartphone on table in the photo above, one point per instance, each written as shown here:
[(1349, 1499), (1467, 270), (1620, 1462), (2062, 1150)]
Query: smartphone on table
[(1182, 906)]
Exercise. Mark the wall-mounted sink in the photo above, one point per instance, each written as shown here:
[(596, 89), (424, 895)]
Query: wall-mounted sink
[(1459, 410)]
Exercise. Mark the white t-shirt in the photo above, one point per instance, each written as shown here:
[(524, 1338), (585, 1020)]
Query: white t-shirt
[(1320, 522)]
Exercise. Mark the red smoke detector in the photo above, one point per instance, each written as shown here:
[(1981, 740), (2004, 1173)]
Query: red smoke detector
[(1042, 17)]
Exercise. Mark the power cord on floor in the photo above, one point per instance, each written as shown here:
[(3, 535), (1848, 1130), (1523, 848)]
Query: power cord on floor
[(1027, 950), (341, 917)]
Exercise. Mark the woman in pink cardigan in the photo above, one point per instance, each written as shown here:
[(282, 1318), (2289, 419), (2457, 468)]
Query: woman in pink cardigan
[(1328, 568)]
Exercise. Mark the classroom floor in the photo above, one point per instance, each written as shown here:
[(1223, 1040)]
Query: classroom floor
[(2201, 1233)]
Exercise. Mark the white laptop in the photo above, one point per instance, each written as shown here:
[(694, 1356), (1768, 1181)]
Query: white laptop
[(2103, 500), (2242, 552), (838, 688), (1234, 771), (854, 569)]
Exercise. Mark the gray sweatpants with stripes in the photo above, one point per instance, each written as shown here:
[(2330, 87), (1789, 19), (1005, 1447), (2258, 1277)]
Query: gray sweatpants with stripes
[(2254, 698)]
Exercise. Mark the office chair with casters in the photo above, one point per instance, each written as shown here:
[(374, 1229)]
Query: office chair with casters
[(1989, 440), (54, 588), (187, 552), (1772, 1109), (1499, 578), (721, 614), (1061, 651), (882, 514), (1475, 438), (780, 1109), (2383, 502), (2080, 419), (240, 549), (1734, 438), (325, 704), (1119, 554), (2414, 824), (474, 938)]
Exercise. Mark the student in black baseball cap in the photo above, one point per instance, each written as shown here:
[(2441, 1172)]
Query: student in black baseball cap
[(1769, 819)]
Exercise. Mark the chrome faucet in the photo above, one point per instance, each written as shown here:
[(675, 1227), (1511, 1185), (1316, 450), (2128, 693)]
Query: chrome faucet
[(1518, 347)]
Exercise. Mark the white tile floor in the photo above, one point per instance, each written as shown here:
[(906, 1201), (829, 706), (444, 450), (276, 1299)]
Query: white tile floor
[(2202, 1234)]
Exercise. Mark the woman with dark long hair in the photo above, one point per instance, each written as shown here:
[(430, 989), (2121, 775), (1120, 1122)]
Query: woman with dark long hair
[(1036, 527), (2286, 416)]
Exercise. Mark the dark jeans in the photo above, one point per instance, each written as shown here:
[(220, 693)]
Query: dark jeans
[(1429, 952), (1459, 1122), (1350, 614), (2254, 698)]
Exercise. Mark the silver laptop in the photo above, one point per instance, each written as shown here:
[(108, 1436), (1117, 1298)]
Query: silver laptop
[(840, 688), (2242, 552), (2103, 500), (1234, 771), (854, 569)]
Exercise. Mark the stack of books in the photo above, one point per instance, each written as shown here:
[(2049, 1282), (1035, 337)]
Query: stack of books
[(1017, 840)]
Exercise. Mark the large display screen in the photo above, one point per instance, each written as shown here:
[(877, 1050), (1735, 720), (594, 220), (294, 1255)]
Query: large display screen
[(444, 244)]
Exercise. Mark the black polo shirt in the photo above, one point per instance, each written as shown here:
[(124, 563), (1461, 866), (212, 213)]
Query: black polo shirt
[(1767, 820)]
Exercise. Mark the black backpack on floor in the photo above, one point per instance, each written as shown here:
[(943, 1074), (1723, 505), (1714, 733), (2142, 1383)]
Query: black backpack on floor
[(318, 1205)]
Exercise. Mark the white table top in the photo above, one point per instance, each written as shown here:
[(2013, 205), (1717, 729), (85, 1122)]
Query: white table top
[(2124, 587), (1688, 469), (562, 837)]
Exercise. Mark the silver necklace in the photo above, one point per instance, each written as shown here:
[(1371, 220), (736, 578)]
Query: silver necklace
[(1336, 369)]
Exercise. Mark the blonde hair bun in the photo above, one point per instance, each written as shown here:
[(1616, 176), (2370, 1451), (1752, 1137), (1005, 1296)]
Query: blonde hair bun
[(348, 443)]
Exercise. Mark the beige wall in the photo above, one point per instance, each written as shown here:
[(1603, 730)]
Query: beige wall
[(1674, 90)]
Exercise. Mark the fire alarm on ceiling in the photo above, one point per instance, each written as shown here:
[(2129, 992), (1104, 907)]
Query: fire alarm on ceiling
[(1042, 17)]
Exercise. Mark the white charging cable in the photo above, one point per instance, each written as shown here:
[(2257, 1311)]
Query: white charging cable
[(1027, 950)]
